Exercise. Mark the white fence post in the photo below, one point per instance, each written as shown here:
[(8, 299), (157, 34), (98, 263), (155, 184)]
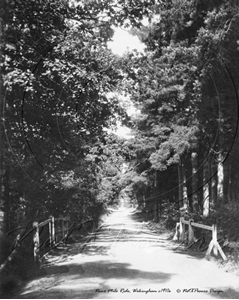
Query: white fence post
[(181, 230), (36, 242), (52, 230), (214, 237), (177, 232)]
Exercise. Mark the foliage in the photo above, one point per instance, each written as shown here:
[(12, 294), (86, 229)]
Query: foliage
[(57, 73), (228, 226), (170, 214), (185, 87)]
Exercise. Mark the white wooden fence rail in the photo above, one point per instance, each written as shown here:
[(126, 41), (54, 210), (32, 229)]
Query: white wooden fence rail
[(213, 245)]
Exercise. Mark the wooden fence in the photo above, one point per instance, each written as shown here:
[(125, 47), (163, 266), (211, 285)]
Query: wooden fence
[(57, 232), (57, 229), (213, 245)]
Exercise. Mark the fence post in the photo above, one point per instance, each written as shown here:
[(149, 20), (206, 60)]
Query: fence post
[(191, 238), (181, 230), (213, 243), (177, 232), (214, 237), (52, 230), (36, 242)]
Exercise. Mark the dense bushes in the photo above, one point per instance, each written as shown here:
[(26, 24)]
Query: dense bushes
[(170, 214), (226, 218)]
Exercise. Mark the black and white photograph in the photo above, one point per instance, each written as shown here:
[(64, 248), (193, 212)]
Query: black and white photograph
[(119, 149)]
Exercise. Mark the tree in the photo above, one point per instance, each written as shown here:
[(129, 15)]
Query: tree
[(185, 87), (57, 72)]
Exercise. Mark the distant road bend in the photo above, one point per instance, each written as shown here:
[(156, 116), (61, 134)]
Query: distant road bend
[(127, 260)]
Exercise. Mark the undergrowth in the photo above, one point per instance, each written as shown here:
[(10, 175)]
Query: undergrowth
[(18, 264), (226, 217)]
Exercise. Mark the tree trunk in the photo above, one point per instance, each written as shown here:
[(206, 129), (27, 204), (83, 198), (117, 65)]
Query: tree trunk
[(180, 186), (206, 200), (227, 181), (156, 211), (144, 202), (185, 190), (183, 193), (194, 182), (234, 184), (213, 185), (220, 180), (6, 200), (148, 208), (156, 199)]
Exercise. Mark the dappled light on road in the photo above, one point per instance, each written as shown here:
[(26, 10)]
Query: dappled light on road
[(126, 260)]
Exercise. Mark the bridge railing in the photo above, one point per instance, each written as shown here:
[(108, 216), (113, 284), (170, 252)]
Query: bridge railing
[(213, 245)]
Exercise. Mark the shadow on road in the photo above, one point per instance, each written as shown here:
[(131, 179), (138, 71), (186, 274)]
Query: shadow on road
[(83, 280), (105, 269)]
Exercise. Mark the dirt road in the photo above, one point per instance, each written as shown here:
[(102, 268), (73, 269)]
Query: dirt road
[(127, 260)]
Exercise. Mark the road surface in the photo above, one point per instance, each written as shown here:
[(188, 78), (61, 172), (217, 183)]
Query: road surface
[(127, 260)]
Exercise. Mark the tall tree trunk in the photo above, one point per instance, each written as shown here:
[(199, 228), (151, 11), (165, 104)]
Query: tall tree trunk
[(206, 199), (180, 186), (194, 182), (227, 181), (156, 211), (148, 203), (6, 200), (156, 198), (213, 184), (183, 193), (220, 179), (234, 184), (185, 190)]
